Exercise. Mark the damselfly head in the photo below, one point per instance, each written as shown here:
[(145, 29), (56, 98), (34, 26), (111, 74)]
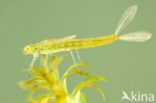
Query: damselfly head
[(29, 49)]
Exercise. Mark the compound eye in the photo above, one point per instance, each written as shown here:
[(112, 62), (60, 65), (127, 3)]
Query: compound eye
[(26, 50)]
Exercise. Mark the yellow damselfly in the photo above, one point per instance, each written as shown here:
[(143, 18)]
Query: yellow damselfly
[(69, 43)]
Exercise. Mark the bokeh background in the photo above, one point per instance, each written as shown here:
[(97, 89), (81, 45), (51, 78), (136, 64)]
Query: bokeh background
[(127, 66)]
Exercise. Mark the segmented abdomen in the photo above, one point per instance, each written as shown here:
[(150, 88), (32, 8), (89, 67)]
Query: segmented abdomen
[(84, 43)]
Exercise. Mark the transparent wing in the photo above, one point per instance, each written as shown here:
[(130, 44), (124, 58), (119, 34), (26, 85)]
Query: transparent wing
[(127, 16), (136, 36), (62, 39)]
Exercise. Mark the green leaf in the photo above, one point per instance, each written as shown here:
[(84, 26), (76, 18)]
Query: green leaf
[(71, 67), (44, 99), (76, 98), (95, 78), (77, 64), (69, 70), (33, 89), (55, 67), (40, 97), (86, 84), (28, 84), (58, 61), (64, 85), (43, 75), (79, 71), (52, 60), (34, 99), (35, 86), (83, 98)]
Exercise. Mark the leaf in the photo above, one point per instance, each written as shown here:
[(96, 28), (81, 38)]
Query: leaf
[(79, 71), (52, 59), (34, 70), (76, 98), (61, 98), (77, 64), (43, 79), (40, 97), (44, 99), (43, 75), (64, 84), (58, 61), (72, 66), (31, 70), (34, 99), (95, 78), (55, 67), (33, 89), (86, 84), (83, 98), (25, 85), (31, 81)]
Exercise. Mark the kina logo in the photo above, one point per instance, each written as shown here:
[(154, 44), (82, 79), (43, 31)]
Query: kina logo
[(137, 96)]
